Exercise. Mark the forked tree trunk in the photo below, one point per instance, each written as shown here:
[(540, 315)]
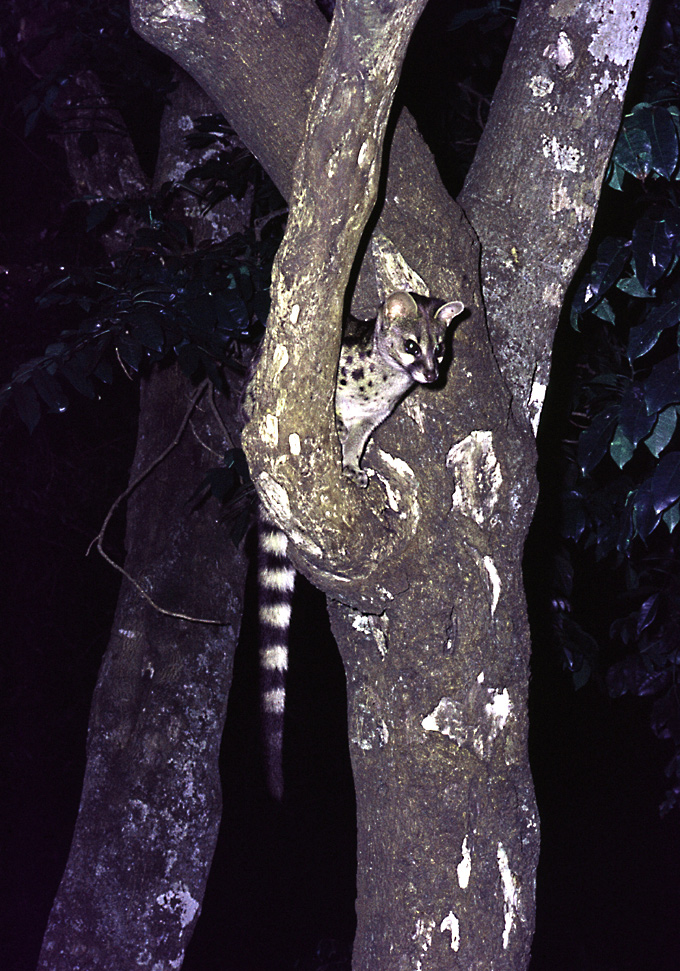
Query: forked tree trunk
[(424, 568)]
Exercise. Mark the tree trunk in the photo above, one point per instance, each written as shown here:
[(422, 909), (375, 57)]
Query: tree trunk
[(425, 566), (151, 802)]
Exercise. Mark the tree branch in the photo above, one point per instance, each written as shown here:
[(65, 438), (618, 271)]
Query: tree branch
[(563, 84), (420, 232), (292, 431)]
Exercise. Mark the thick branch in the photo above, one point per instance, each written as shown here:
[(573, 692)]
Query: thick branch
[(558, 104), (336, 185), (246, 59)]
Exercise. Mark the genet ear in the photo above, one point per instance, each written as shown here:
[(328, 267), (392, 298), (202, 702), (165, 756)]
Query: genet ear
[(399, 304), (449, 311)]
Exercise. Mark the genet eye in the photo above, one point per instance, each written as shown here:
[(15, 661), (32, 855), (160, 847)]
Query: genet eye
[(412, 348)]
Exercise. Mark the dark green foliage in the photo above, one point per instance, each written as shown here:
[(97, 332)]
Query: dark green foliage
[(160, 298), (231, 485), (621, 498), (93, 35)]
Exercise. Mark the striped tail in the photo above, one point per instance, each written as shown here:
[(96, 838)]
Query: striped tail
[(276, 579)]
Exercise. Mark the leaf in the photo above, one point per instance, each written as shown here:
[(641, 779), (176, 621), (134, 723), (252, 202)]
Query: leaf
[(647, 612), (594, 440), (662, 387), (671, 516), (621, 448), (633, 149), (27, 404), (130, 351), (645, 515), (49, 390), (652, 248), (665, 483), (76, 374), (634, 420), (644, 336), (663, 431), (148, 331), (615, 175), (573, 519), (97, 213), (232, 314), (104, 371), (189, 359), (604, 311), (632, 286), (663, 139), (612, 256)]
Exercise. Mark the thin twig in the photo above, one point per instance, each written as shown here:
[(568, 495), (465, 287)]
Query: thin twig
[(203, 444), (99, 538), (218, 416)]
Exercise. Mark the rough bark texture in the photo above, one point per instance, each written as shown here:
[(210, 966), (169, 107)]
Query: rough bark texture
[(151, 802), (533, 188), (425, 566)]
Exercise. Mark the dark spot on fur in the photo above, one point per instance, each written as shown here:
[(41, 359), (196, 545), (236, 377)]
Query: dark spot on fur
[(342, 381), (349, 360), (358, 374)]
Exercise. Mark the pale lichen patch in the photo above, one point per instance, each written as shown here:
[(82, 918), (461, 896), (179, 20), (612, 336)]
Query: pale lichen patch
[(294, 443), (561, 52), (511, 903), (276, 496), (366, 154), (561, 201), (540, 86), (617, 26), (565, 158), (499, 709), (494, 580), (399, 466), (393, 495), (372, 625), (269, 430), (280, 357), (477, 476), (415, 411), (179, 901), (536, 399), (179, 10), (451, 924), (423, 937), (464, 868), (392, 270), (474, 720)]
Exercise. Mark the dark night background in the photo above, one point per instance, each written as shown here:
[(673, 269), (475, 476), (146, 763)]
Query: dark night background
[(609, 876)]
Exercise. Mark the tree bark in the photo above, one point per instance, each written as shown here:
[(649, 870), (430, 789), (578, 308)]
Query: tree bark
[(438, 724), (151, 801), (534, 185), (425, 567)]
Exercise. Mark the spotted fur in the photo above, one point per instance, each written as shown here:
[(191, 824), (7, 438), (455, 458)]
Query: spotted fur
[(380, 361)]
